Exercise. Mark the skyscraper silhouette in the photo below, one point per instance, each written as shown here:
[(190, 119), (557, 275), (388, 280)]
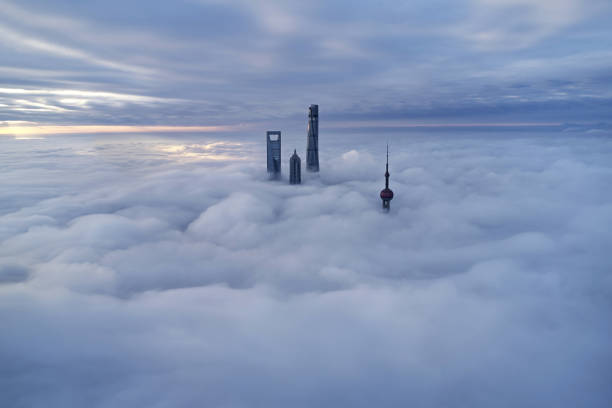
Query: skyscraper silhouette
[(274, 153), (312, 150), (295, 169)]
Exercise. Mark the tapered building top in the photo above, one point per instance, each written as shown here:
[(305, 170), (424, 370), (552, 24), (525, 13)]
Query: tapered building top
[(312, 149), (386, 195), (295, 169)]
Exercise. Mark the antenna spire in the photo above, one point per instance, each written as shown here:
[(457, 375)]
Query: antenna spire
[(386, 195), (387, 169)]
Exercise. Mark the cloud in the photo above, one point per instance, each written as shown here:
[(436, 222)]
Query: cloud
[(510, 24), (13, 273), (139, 271), (202, 62), (12, 37)]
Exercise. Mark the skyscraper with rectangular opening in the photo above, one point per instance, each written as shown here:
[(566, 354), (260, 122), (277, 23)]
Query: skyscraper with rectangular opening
[(274, 153), (312, 149)]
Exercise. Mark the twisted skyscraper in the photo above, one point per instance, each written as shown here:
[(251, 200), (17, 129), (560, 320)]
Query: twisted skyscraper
[(312, 151)]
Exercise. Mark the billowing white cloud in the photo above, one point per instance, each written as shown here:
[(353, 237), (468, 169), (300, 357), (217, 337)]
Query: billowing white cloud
[(143, 271)]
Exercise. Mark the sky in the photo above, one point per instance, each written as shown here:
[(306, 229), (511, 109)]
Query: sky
[(147, 260), (237, 62)]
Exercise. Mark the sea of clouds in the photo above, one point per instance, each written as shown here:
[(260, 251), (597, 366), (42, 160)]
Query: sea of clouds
[(169, 272)]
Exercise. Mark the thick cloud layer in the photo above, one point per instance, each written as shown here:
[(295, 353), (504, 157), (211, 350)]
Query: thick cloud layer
[(172, 273)]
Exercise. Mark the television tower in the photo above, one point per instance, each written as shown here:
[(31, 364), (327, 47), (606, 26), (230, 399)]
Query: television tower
[(386, 195)]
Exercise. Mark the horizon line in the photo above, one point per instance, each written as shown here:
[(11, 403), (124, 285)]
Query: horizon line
[(24, 128), (42, 130), (407, 124)]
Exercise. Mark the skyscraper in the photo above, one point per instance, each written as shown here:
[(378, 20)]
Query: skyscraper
[(312, 150), (274, 153), (295, 169), (386, 194)]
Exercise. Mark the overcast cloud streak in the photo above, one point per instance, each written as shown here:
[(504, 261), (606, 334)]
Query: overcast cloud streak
[(215, 62)]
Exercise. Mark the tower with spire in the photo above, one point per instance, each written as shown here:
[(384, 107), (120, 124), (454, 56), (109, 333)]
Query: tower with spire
[(386, 194)]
